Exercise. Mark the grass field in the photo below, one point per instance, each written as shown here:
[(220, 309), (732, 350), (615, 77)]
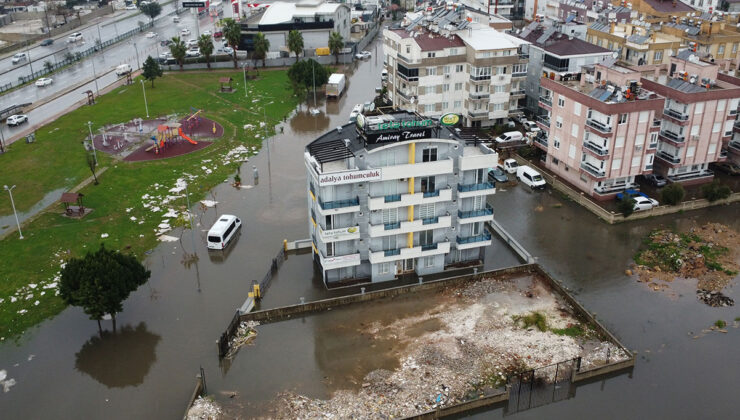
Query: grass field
[(57, 160)]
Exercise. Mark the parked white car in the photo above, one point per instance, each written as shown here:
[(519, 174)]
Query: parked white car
[(185, 31), (509, 137), (191, 43), (123, 70), (44, 81), (206, 32), (151, 34), (77, 36), (131, 7), (226, 50), (19, 57), (531, 126), (644, 203), (193, 52), (510, 166), (17, 119)]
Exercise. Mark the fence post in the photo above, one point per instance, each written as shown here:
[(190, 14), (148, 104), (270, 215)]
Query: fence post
[(203, 387)]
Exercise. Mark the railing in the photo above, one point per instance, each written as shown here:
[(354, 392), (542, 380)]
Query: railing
[(430, 220), (668, 157), (592, 170), (675, 114), (595, 148), (541, 139), (518, 92), (555, 68), (337, 204), (428, 247), (723, 153), (391, 226), (472, 239), (392, 198), (428, 194), (544, 120), (678, 138), (598, 125), (407, 78), (392, 252), (478, 95), (478, 113), (474, 78), (475, 187), (475, 213), (547, 100)]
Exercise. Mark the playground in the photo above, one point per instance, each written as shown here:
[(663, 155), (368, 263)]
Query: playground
[(165, 137)]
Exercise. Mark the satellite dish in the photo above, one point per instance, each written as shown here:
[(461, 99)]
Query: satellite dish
[(615, 54)]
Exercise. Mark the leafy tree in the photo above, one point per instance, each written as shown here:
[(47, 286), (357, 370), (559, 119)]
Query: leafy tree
[(336, 43), (92, 163), (302, 75), (151, 9), (672, 194), (715, 191), (48, 66), (261, 46), (626, 205), (151, 70), (205, 44), (101, 281), (380, 99), (232, 34), (295, 43), (178, 50)]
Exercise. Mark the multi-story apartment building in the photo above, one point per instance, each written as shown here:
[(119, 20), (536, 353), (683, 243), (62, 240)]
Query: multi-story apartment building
[(714, 37), (589, 11), (452, 61), (697, 123), (599, 128), (636, 43), (394, 194), (552, 52)]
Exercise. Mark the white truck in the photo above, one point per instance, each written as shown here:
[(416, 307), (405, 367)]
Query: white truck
[(335, 85)]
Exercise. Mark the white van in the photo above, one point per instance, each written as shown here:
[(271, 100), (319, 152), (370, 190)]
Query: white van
[(508, 137), (530, 177), (123, 70), (510, 166), (223, 231), (335, 85)]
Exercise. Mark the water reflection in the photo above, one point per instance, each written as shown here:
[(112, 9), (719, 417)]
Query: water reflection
[(303, 122), (219, 256), (119, 359)]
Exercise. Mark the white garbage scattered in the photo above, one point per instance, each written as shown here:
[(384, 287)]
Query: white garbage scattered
[(209, 203), (103, 235), (167, 238)]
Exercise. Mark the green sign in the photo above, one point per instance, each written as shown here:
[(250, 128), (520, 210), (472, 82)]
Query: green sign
[(449, 119), (398, 125)]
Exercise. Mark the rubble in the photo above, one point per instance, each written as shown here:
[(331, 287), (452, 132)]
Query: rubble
[(714, 298), (205, 409)]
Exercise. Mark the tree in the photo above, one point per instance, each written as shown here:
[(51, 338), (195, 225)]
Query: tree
[(715, 191), (303, 74), (151, 70), (48, 66), (101, 281), (151, 9), (232, 34), (205, 44), (92, 163), (295, 43), (626, 205), (672, 194), (261, 46), (336, 43), (178, 50)]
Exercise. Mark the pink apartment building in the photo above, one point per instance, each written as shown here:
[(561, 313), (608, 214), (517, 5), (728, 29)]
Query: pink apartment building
[(600, 128)]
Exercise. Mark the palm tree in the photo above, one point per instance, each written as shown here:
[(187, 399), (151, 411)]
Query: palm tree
[(178, 50), (261, 46), (295, 43), (205, 45), (336, 43), (233, 35)]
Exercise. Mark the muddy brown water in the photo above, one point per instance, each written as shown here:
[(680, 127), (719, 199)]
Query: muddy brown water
[(172, 322)]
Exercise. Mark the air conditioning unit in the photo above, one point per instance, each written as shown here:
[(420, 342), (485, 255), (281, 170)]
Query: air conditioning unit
[(501, 78), (638, 148), (447, 75)]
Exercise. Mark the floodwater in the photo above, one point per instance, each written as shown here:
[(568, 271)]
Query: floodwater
[(7, 222), (169, 327)]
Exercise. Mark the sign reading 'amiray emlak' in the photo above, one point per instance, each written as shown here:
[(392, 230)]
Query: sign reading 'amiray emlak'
[(350, 177)]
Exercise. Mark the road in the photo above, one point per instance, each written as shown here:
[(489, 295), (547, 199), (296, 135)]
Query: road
[(132, 51)]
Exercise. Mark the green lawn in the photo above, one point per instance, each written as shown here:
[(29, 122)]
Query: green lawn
[(57, 160)]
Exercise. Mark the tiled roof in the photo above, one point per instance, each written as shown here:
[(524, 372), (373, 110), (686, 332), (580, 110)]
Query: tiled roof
[(561, 45), (666, 6), (437, 42)]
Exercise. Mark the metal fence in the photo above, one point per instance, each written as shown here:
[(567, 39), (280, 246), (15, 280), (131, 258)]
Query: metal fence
[(543, 385)]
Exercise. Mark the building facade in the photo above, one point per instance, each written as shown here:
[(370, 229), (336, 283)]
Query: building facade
[(394, 194)]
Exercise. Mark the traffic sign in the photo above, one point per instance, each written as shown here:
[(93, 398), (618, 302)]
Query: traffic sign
[(193, 4)]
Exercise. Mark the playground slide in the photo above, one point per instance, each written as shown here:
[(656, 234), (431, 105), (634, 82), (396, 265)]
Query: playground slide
[(179, 131)]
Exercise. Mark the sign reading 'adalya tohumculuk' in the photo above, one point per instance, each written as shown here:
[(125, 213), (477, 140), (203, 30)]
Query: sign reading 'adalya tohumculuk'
[(350, 177)]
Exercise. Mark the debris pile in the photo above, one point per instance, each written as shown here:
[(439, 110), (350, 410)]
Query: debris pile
[(714, 298), (204, 409)]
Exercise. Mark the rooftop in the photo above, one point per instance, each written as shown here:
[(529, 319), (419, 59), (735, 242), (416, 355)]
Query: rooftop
[(668, 6), (281, 12), (429, 41), (559, 44)]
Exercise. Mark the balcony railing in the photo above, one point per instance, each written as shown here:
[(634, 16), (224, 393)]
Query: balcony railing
[(338, 204), (556, 68), (434, 193), (547, 100), (541, 139), (428, 247), (668, 157), (472, 239), (475, 96), (392, 198), (595, 148), (475, 213), (475, 187), (518, 92), (474, 78), (430, 220), (593, 170), (598, 125), (678, 138), (392, 252), (391, 226), (675, 114), (480, 113), (544, 120)]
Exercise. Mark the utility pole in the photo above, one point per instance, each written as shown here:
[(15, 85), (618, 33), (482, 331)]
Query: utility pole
[(190, 217), (92, 141), (12, 203), (146, 105)]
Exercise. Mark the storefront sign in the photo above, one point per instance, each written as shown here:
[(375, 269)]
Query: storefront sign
[(350, 177), (449, 119), (337, 234), (400, 125), (194, 4), (340, 261), (401, 135)]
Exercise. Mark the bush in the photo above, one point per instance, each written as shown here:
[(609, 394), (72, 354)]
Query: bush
[(626, 206), (672, 194), (715, 191)]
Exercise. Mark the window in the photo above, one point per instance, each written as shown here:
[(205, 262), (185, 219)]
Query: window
[(384, 268), (389, 242), (500, 69), (429, 90), (639, 140), (721, 49), (577, 108), (499, 88), (734, 48), (390, 216), (653, 141), (561, 101), (721, 105), (458, 86), (458, 68), (519, 68), (446, 69), (408, 49), (699, 108), (574, 130), (658, 56), (428, 262), (453, 51), (556, 63), (616, 164), (690, 151), (427, 184), (644, 116), (426, 211), (457, 104), (446, 87), (475, 227), (431, 55), (712, 149), (431, 71), (429, 154), (429, 108), (636, 160), (556, 142), (716, 127), (445, 105), (559, 122), (619, 142), (572, 151), (622, 118)]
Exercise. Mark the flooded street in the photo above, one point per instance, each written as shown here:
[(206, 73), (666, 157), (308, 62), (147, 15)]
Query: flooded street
[(169, 327)]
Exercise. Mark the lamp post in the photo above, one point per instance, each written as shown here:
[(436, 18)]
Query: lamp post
[(146, 105), (190, 216), (12, 203), (95, 75), (244, 68), (92, 141)]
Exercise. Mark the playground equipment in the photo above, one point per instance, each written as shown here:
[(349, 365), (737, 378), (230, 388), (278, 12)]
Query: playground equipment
[(179, 131)]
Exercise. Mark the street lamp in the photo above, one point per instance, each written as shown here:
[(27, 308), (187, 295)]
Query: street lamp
[(95, 75), (190, 215), (12, 203), (146, 105), (245, 79), (92, 141)]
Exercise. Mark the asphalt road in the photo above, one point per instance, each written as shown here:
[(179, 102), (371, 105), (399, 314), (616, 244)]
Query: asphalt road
[(100, 65)]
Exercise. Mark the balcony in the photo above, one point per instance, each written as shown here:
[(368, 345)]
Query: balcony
[(672, 137), (520, 92), (734, 146), (478, 114), (437, 167), (593, 170), (595, 149), (723, 155), (546, 100), (479, 79), (540, 140), (339, 206), (339, 261), (599, 126), (472, 190), (543, 122), (339, 234), (429, 194), (379, 203), (406, 253), (474, 216), (477, 96), (473, 241), (668, 158), (392, 198), (477, 157), (675, 115), (418, 225), (553, 67)]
